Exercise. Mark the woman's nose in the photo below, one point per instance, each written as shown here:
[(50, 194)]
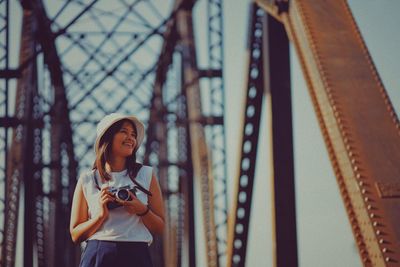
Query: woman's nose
[(130, 137)]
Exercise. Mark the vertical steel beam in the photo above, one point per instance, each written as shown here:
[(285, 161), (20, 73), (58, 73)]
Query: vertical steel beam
[(186, 177), (62, 252), (284, 201), (21, 167), (25, 160), (241, 211), (4, 93), (217, 108), (162, 252), (200, 154)]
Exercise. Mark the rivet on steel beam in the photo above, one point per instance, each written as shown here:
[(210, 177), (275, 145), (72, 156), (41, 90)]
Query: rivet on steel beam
[(382, 241), (336, 113), (353, 161), (387, 259), (372, 215), (369, 207), (376, 224), (385, 250), (366, 199), (378, 232), (364, 191), (361, 183)]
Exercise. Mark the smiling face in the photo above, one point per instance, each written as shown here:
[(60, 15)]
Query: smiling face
[(124, 140)]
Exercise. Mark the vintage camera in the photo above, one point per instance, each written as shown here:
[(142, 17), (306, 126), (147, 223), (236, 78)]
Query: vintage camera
[(121, 193)]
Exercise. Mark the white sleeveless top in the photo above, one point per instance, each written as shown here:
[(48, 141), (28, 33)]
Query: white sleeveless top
[(120, 225)]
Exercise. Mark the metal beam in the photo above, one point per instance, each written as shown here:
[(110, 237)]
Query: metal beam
[(241, 211), (359, 125), (217, 140), (279, 90), (62, 251), (200, 154), (21, 167)]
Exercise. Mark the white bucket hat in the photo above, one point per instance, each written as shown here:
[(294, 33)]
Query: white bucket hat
[(112, 118)]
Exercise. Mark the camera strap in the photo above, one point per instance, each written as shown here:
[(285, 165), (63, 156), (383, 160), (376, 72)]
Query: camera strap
[(139, 186), (136, 183), (95, 180)]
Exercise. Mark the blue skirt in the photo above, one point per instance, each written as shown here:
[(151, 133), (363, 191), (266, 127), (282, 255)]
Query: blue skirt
[(99, 253)]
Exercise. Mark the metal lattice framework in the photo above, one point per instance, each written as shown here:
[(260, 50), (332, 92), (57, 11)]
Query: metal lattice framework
[(4, 88), (82, 59), (216, 62), (91, 58), (346, 91)]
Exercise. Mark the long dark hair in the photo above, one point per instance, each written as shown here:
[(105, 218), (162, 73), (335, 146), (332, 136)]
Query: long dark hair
[(104, 152)]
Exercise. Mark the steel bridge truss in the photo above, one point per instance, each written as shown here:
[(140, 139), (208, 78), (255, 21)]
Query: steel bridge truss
[(360, 127), (80, 60)]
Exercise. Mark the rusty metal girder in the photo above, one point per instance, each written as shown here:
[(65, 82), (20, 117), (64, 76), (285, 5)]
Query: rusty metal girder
[(274, 7), (62, 252), (360, 127), (200, 153), (24, 159)]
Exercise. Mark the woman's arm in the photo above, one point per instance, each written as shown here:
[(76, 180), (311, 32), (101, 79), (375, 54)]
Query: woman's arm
[(81, 227), (154, 218)]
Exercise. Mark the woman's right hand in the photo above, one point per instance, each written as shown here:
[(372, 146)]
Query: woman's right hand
[(104, 198)]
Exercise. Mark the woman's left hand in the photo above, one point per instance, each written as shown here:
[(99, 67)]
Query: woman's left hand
[(133, 206)]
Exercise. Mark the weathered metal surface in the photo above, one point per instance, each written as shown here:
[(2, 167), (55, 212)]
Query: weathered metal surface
[(200, 153), (17, 166), (358, 122)]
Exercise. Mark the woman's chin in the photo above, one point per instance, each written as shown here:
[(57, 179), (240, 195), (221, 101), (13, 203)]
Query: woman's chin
[(129, 153), (125, 153)]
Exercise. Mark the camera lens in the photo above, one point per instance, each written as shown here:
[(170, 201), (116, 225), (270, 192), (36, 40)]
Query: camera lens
[(123, 194)]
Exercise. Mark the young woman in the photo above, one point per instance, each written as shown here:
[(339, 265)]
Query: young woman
[(118, 205)]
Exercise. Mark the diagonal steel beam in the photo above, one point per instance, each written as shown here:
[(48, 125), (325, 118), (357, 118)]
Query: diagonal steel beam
[(360, 127)]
